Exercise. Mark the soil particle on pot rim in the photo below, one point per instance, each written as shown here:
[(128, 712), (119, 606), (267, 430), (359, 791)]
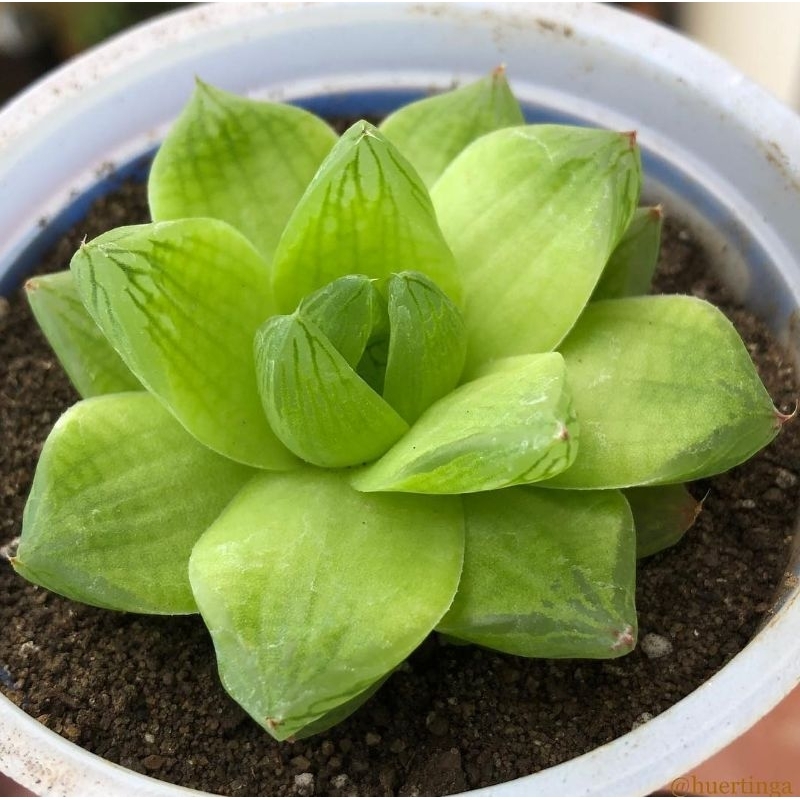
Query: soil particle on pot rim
[(143, 691)]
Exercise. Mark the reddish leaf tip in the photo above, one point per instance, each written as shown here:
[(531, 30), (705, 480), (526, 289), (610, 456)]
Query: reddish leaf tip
[(781, 419), (694, 512), (624, 640)]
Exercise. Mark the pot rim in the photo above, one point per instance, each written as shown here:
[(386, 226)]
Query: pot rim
[(767, 668)]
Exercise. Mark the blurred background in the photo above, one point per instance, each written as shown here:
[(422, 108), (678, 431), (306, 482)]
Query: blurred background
[(761, 39)]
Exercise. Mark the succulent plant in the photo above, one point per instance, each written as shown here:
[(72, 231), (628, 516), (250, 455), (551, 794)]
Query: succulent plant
[(344, 392)]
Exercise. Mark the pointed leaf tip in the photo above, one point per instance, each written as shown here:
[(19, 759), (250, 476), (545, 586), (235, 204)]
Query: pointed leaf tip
[(782, 419), (625, 640)]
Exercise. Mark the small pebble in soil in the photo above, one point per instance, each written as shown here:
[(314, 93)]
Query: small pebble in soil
[(397, 746), (785, 479), (645, 716), (339, 781), (27, 648), (655, 646), (153, 762), (436, 724), (304, 782), (301, 762)]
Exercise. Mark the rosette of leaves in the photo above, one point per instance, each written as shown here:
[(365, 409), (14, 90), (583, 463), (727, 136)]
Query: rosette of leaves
[(344, 392)]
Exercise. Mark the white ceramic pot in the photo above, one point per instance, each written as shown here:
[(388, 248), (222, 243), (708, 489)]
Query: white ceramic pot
[(715, 146)]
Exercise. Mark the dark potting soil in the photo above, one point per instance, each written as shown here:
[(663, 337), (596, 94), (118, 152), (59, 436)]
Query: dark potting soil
[(143, 691)]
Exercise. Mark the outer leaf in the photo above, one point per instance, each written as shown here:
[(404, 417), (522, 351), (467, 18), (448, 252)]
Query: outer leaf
[(432, 132), (313, 603), (120, 497), (241, 161), (662, 515), (665, 391), (91, 363), (315, 402), (532, 215), (630, 269), (547, 574), (514, 425), (336, 715), (347, 311), (427, 346), (366, 211), (181, 302)]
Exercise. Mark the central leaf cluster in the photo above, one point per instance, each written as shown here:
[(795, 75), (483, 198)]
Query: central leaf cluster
[(344, 377)]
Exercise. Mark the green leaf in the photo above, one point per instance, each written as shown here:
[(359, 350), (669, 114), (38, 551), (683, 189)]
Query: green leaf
[(532, 215), (315, 402), (662, 515), (630, 268), (547, 574), (88, 359), (342, 712), (312, 603), (241, 161), (347, 311), (365, 212), (665, 391), (121, 495), (427, 345), (513, 425), (181, 302), (432, 132)]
